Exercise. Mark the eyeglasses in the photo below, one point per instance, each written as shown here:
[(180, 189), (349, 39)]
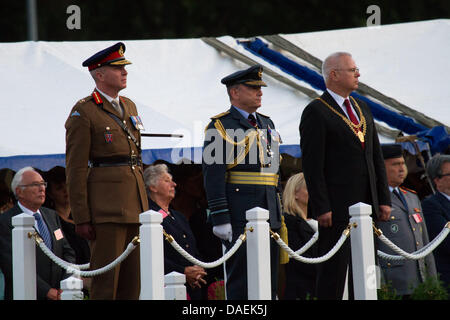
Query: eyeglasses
[(35, 184), (353, 70)]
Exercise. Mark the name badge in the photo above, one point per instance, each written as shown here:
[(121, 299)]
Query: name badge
[(58, 234), (417, 217), (164, 214), (137, 122)]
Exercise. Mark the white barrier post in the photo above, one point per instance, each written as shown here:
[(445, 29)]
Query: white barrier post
[(363, 256), (71, 288), (23, 258), (258, 254), (152, 256), (175, 288)]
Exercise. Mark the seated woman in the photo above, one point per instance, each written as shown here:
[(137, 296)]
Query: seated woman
[(300, 277), (57, 198), (161, 191)]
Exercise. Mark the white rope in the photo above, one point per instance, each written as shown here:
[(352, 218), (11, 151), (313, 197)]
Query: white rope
[(309, 244), (81, 266), (321, 259), (74, 269), (206, 265), (416, 255)]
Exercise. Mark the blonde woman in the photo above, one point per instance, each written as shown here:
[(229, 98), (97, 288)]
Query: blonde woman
[(300, 277)]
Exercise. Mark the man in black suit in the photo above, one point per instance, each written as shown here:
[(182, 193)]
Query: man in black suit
[(343, 165), (436, 209), (29, 189)]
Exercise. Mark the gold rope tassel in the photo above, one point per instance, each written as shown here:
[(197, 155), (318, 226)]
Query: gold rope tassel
[(284, 257)]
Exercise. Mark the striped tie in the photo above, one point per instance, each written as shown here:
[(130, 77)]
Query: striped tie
[(43, 230)]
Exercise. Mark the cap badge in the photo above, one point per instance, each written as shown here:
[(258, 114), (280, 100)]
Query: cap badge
[(121, 51)]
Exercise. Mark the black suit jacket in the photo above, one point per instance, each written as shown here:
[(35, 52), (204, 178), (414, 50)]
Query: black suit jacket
[(49, 274), (338, 171), (436, 210)]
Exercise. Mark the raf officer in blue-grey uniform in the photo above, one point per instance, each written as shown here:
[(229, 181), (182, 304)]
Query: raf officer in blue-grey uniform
[(406, 228), (241, 171)]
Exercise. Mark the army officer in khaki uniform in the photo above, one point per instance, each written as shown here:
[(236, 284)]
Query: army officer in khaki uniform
[(105, 175), (406, 228)]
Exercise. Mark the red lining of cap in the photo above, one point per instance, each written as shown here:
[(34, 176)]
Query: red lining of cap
[(112, 56)]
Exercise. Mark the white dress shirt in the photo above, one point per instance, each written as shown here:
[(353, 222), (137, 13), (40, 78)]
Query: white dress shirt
[(108, 97), (245, 113), (31, 213), (340, 101)]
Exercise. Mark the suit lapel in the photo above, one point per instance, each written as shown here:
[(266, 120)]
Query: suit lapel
[(261, 121), (125, 107), (14, 212), (329, 99), (395, 200), (445, 204), (107, 106)]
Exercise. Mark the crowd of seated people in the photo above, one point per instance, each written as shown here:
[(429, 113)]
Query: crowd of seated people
[(185, 203)]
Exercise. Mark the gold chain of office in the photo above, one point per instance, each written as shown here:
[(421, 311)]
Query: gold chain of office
[(356, 128)]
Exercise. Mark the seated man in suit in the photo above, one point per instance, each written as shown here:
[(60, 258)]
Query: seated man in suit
[(406, 228), (436, 209), (29, 189)]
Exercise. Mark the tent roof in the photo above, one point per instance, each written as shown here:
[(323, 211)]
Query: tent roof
[(407, 61), (176, 85)]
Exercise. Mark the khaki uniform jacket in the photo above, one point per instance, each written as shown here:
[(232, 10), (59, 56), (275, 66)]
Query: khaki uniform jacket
[(103, 194)]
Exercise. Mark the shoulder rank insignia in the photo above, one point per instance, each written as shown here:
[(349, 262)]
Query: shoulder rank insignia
[(97, 98), (404, 190), (75, 114), (220, 115)]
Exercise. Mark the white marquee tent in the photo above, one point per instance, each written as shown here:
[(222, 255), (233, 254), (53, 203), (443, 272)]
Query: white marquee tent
[(176, 86)]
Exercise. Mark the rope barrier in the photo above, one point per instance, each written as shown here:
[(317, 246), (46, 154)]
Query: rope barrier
[(206, 265), (309, 244), (321, 259), (416, 255), (74, 269)]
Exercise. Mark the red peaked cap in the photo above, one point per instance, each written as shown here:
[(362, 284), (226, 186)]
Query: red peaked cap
[(112, 55)]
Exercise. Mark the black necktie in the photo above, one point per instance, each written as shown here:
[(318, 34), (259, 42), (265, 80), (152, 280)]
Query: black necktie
[(402, 198), (251, 118)]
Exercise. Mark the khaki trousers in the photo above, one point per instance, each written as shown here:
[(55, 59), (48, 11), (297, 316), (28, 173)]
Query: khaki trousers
[(122, 282)]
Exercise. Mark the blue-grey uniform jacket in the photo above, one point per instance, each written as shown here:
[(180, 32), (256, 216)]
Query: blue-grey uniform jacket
[(241, 169), (407, 229)]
